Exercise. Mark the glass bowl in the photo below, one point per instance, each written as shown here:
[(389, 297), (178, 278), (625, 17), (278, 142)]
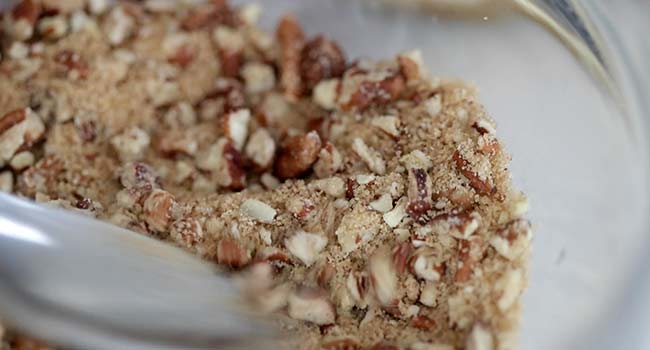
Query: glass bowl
[(567, 84)]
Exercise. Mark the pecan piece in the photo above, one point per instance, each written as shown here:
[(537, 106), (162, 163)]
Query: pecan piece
[(311, 305), (291, 38), (422, 322), (209, 14), (419, 194), (22, 19), (401, 256), (157, 209), (297, 155), (371, 93), (481, 187), (322, 59), (231, 254)]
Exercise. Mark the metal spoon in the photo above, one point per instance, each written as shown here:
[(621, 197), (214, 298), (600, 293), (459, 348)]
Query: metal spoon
[(84, 284)]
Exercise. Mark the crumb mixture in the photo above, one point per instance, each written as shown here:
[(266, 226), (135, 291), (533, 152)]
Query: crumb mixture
[(371, 204)]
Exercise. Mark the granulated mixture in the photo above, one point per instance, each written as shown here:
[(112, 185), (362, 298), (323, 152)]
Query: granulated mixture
[(370, 204)]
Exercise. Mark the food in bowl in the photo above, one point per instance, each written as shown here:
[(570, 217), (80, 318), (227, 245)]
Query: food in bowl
[(366, 204)]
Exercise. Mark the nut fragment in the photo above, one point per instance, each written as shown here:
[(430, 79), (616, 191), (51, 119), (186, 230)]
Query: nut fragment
[(481, 186), (22, 160), (470, 251), (261, 149), (395, 216), (356, 229), (427, 264), (118, 26), (411, 65), (54, 27), (223, 159), (329, 161), (131, 144), (231, 254), (383, 277), (433, 105), (311, 305), (209, 13), (290, 37), (157, 209), (325, 93), (358, 285), (258, 210), (429, 294), (187, 232), (375, 93), (371, 157), (258, 77), (20, 22), (297, 155), (19, 129), (231, 44), (419, 194), (306, 246), (422, 322), (333, 186), (401, 256), (382, 204), (321, 58), (236, 127), (480, 338), (172, 143), (463, 224), (513, 240), (509, 287), (388, 124), (417, 160)]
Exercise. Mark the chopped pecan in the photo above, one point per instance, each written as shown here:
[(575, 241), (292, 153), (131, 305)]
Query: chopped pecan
[(481, 187), (22, 19), (187, 232), (157, 209), (231, 254), (19, 130), (419, 194), (465, 222), (311, 305), (401, 256), (422, 322), (329, 161), (291, 40), (306, 246), (212, 13), (384, 278), (274, 256), (427, 264), (321, 58), (325, 274), (374, 93), (297, 155)]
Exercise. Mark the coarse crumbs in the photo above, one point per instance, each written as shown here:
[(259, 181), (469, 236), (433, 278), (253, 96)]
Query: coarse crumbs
[(378, 195)]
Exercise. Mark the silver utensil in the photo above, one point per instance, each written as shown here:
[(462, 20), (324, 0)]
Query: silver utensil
[(84, 284)]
